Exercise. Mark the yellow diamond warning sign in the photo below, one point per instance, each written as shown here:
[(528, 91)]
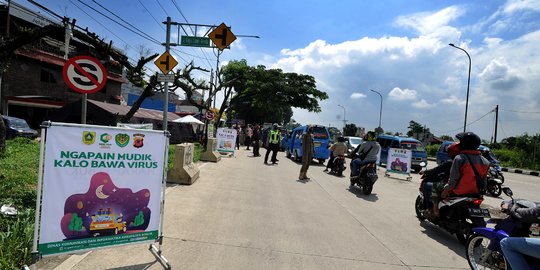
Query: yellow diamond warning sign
[(166, 62), (222, 36)]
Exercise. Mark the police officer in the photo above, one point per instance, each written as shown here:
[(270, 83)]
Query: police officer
[(274, 137)]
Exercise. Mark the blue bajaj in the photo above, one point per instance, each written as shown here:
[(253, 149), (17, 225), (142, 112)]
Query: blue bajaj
[(483, 246)]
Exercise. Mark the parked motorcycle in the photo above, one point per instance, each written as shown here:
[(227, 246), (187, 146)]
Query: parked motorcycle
[(483, 246), (338, 165), (457, 215), (367, 177)]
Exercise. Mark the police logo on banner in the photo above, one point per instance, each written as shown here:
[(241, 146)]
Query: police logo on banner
[(138, 140)]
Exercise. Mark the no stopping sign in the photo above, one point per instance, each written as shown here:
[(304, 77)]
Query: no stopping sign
[(84, 74)]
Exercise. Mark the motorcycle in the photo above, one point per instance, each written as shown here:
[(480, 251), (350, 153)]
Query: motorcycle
[(338, 165), (494, 186), (367, 177), (457, 215), (495, 171), (483, 246)]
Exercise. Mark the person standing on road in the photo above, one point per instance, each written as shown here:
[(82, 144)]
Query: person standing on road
[(249, 134), (274, 137), (237, 128), (307, 153), (256, 138)]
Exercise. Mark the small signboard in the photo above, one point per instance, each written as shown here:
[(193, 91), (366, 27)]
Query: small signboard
[(166, 62), (222, 36), (169, 78), (84, 74), (399, 161), (195, 41), (226, 139)]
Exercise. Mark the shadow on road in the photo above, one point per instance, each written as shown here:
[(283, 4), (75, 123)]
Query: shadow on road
[(442, 236), (136, 267), (358, 192)]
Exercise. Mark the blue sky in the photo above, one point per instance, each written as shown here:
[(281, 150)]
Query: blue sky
[(398, 48)]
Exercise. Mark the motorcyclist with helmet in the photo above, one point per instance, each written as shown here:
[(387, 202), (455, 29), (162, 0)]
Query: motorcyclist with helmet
[(513, 248), (365, 153), (436, 178), (336, 150), (469, 168)]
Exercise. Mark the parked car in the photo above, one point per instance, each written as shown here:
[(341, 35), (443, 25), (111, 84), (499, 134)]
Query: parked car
[(16, 127), (352, 143), (419, 154)]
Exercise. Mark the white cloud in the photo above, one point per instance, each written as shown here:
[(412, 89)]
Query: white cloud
[(430, 74), (402, 94), (423, 104), (453, 100), (513, 6), (499, 75), (430, 22), (357, 95)]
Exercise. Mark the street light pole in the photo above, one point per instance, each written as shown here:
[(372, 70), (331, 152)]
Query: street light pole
[(380, 110), (344, 119), (468, 83)]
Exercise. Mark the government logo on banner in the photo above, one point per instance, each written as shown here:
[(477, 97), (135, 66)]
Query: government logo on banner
[(121, 139), (89, 137)]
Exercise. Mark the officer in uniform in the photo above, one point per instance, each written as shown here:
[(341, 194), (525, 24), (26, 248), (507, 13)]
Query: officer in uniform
[(274, 137)]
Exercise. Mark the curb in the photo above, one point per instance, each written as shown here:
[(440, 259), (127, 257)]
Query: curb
[(534, 173), (521, 171)]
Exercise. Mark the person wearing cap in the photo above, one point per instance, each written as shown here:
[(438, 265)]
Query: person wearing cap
[(274, 137), (307, 153)]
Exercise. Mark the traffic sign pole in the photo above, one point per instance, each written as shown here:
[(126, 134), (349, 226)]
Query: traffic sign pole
[(166, 99)]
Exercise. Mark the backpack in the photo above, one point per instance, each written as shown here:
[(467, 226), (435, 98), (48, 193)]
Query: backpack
[(481, 183)]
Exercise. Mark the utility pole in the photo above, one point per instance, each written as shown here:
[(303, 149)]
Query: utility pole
[(496, 123)]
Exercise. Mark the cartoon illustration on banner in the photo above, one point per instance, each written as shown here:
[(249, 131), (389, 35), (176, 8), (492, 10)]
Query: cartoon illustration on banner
[(399, 160)]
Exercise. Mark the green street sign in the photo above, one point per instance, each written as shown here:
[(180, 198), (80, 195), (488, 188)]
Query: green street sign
[(195, 41)]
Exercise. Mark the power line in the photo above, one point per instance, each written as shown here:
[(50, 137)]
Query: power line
[(520, 111), (193, 32), (470, 122), (134, 27), (127, 28), (159, 3), (160, 25)]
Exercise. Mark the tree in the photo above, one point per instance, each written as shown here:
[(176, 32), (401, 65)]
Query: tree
[(268, 95), (446, 138), (2, 135), (350, 130)]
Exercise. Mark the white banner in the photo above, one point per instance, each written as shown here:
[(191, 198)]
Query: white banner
[(399, 160), (101, 187), (226, 139)]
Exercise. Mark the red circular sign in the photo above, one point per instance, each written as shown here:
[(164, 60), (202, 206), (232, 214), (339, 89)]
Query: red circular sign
[(209, 115), (84, 74)]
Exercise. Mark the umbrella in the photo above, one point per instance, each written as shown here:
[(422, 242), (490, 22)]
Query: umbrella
[(188, 120)]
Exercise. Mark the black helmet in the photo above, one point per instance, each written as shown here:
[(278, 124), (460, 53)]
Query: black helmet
[(340, 139), (468, 141)]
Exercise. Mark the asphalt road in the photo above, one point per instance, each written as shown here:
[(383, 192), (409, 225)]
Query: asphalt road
[(242, 214)]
